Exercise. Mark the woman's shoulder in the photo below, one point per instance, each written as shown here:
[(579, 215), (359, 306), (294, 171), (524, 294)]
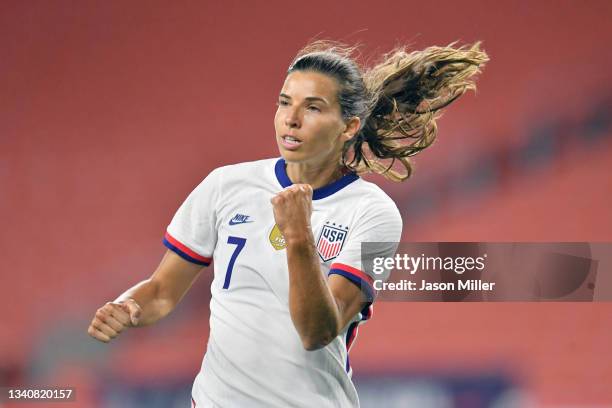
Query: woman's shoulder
[(371, 192), (245, 169), (369, 197), (248, 165)]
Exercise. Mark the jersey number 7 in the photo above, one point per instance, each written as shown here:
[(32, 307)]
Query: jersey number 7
[(239, 242)]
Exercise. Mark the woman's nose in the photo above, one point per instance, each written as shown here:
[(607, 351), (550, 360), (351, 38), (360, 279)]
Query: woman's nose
[(292, 119)]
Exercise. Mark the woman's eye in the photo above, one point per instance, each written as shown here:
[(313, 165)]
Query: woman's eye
[(282, 103), (314, 108)]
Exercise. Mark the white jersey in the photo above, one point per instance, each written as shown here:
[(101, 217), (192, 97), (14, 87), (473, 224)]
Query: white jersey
[(255, 357)]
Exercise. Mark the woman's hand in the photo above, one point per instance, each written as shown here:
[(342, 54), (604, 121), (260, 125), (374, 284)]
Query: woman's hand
[(292, 210), (112, 318), (147, 301)]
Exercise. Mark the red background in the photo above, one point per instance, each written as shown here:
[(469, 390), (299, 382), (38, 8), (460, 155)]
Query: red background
[(111, 112)]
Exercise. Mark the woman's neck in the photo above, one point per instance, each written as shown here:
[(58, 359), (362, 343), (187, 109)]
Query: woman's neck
[(316, 175)]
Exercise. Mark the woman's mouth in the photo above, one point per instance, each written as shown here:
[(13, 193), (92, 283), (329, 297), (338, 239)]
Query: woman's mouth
[(290, 142)]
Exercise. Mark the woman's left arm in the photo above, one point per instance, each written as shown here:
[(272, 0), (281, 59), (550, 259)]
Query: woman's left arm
[(319, 307)]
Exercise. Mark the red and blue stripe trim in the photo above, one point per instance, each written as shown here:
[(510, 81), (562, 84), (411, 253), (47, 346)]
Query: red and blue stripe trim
[(359, 278), (181, 250), (366, 284)]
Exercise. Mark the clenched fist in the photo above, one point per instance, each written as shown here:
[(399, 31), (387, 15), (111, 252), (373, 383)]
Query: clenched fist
[(112, 318), (292, 210)]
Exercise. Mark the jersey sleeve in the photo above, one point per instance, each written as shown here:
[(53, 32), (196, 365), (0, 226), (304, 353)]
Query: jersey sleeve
[(192, 233), (380, 224)]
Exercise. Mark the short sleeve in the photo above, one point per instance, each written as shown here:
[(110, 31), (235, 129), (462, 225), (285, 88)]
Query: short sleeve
[(380, 224), (192, 233)]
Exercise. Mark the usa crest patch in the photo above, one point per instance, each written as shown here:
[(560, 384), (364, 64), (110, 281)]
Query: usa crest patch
[(330, 242)]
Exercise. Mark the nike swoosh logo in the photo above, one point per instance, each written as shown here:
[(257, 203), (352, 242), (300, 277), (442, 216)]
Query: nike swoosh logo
[(232, 222)]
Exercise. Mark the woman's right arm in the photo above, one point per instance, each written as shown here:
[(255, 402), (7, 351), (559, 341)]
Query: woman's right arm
[(148, 301)]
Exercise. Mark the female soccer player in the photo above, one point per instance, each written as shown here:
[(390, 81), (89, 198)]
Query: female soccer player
[(289, 289)]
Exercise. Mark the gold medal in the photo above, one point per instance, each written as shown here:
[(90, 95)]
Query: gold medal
[(276, 239)]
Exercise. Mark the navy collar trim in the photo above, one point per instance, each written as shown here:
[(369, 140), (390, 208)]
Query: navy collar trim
[(319, 193)]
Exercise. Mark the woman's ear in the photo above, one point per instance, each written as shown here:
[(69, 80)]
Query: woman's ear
[(352, 127)]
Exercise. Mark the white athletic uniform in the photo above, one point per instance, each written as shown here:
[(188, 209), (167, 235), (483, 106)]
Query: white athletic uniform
[(254, 356)]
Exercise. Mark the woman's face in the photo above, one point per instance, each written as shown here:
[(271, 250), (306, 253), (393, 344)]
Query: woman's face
[(308, 121)]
